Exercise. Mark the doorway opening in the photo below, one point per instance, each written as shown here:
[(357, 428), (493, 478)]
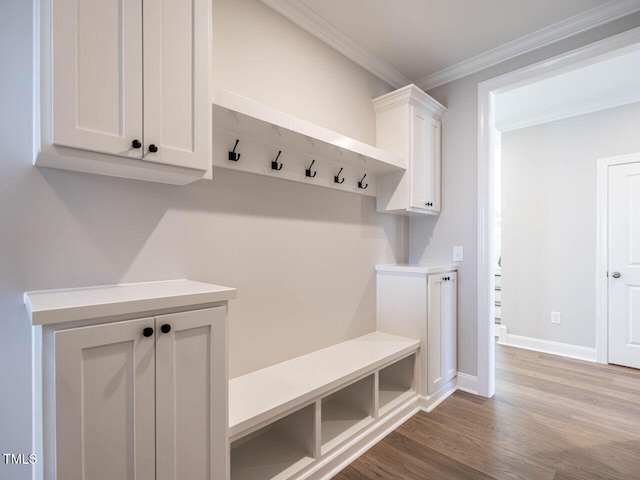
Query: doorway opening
[(492, 95)]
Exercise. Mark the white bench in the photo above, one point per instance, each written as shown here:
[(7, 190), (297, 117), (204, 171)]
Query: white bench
[(304, 417)]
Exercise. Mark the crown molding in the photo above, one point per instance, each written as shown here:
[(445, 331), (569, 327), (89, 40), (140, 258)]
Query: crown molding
[(408, 95), (314, 24), (569, 27)]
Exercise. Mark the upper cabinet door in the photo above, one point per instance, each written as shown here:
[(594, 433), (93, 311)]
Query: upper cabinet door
[(425, 161), (177, 107), (97, 75)]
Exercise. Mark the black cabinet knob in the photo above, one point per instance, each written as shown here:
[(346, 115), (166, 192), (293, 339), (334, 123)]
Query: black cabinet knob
[(166, 328), (153, 148), (136, 144), (147, 332)]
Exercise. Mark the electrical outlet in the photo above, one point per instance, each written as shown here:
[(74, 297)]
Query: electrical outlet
[(457, 254), (556, 318)]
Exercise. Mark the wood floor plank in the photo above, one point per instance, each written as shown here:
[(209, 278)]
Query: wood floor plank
[(552, 418)]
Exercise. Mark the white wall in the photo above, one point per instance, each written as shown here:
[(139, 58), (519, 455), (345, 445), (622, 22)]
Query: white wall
[(431, 239), (549, 221), (262, 55), (302, 257)]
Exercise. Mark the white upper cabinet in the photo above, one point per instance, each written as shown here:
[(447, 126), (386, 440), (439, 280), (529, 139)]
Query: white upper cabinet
[(125, 88), (408, 124)]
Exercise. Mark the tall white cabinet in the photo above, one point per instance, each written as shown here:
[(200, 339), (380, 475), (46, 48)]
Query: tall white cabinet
[(420, 301), (141, 398), (125, 88), (408, 123)]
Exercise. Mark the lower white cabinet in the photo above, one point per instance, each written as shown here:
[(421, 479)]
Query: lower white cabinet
[(135, 399), (419, 301)]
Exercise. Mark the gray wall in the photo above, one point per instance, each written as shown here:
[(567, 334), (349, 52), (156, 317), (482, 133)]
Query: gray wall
[(549, 221), (431, 239), (302, 257)]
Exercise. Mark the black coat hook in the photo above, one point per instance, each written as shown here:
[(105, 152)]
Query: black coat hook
[(308, 171), (233, 156), (336, 178), (360, 185), (274, 164)]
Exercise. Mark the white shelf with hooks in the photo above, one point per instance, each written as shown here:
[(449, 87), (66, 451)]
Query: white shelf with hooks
[(263, 131)]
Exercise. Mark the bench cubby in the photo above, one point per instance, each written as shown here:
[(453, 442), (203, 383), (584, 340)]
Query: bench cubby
[(395, 382), (277, 451), (346, 411), (305, 417)]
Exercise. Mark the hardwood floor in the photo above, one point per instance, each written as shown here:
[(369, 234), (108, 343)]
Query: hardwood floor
[(551, 418)]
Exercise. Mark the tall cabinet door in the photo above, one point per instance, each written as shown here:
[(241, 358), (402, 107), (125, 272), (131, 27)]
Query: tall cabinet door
[(425, 158), (441, 330), (97, 75), (191, 395), (104, 391), (177, 104)]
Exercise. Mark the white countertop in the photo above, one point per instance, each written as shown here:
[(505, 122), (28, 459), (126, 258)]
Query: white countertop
[(426, 268), (66, 305)]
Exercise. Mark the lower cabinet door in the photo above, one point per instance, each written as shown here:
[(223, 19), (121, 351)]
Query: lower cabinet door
[(450, 327), (191, 396), (435, 366), (441, 330), (104, 402)]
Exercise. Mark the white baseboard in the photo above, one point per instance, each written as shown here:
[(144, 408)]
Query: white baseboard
[(467, 383), (343, 456), (427, 404), (547, 346)]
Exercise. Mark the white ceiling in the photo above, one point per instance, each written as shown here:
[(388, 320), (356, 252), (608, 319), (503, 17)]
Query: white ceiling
[(429, 42)]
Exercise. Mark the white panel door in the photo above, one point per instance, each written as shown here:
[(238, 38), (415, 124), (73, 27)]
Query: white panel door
[(177, 105), (191, 395), (425, 158), (624, 264), (97, 75), (104, 391)]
